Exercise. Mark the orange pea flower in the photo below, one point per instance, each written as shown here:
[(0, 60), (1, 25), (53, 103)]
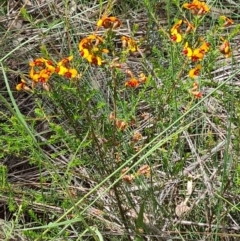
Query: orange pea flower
[(195, 92), (175, 32), (204, 48), (38, 62), (39, 76), (197, 7), (187, 50), (193, 73), (133, 83), (89, 42), (22, 86), (41, 70), (96, 60), (198, 53), (68, 73), (177, 25), (42, 63), (225, 49), (144, 170), (142, 78), (176, 36), (129, 43), (109, 22), (64, 69), (91, 49), (225, 21), (65, 61), (71, 73)]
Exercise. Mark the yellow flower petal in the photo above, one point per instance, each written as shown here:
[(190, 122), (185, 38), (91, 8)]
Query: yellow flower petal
[(70, 57), (106, 51), (73, 73), (85, 53), (62, 70), (99, 23), (99, 60)]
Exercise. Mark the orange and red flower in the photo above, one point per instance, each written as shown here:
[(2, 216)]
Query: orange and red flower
[(176, 36), (129, 43), (175, 32), (195, 92), (187, 50), (225, 49), (144, 170), (109, 22), (41, 70), (197, 7), (225, 21), (22, 86), (128, 178), (133, 83), (195, 72), (205, 46), (63, 68), (91, 49), (177, 28), (198, 53)]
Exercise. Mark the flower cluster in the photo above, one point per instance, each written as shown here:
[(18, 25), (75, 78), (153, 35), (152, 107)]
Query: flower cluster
[(120, 124), (197, 7), (42, 69), (91, 48), (133, 81), (196, 54), (199, 49), (176, 30), (64, 69), (129, 43), (142, 171)]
